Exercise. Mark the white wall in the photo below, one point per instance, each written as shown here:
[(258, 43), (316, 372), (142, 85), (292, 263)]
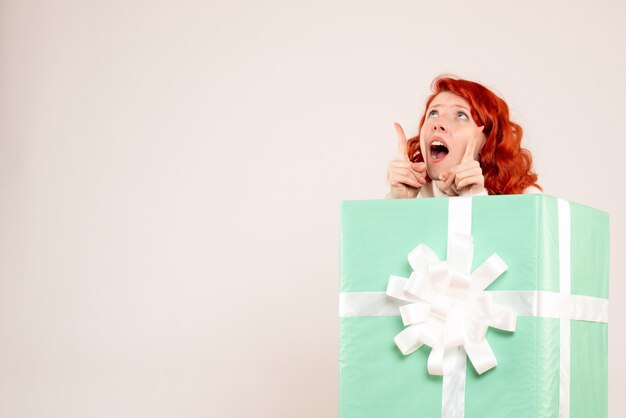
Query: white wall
[(171, 172)]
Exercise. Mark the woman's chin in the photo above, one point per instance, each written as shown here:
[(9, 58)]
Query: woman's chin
[(435, 170)]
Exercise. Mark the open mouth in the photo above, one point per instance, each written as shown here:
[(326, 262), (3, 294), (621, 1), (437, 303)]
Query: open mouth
[(438, 150)]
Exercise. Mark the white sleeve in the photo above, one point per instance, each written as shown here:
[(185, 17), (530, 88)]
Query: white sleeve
[(531, 190), (483, 192)]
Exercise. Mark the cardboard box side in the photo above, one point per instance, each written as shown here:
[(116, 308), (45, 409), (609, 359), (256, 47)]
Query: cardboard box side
[(376, 380), (589, 370), (590, 251), (377, 236), (510, 227), (510, 389)]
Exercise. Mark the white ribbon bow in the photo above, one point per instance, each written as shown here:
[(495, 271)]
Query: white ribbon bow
[(449, 308)]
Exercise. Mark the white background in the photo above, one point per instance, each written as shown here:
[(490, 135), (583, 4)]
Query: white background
[(171, 173)]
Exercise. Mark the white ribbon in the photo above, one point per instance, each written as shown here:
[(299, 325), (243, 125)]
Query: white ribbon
[(448, 308), (536, 303), (565, 288)]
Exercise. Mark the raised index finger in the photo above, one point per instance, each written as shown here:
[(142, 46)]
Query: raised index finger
[(403, 153), (470, 149)]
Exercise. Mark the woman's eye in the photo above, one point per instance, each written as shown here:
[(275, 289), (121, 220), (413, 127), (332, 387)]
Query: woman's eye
[(462, 115), (432, 113)]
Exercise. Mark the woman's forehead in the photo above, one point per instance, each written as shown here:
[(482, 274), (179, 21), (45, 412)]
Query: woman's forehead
[(447, 98)]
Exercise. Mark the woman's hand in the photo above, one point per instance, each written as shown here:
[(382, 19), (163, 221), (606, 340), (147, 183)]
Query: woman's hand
[(405, 178), (467, 177)]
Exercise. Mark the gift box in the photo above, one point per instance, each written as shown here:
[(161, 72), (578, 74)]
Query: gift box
[(538, 265)]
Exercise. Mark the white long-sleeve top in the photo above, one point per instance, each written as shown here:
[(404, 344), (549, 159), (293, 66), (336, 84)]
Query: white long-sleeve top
[(431, 189)]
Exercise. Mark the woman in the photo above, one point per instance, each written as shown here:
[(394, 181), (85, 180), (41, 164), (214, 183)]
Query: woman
[(466, 146)]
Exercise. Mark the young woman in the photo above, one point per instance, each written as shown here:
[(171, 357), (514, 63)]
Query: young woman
[(466, 146)]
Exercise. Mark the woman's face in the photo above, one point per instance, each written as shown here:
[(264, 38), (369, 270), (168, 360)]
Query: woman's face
[(448, 127)]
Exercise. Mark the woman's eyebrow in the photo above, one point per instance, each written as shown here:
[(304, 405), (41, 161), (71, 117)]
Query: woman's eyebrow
[(454, 105), (461, 106)]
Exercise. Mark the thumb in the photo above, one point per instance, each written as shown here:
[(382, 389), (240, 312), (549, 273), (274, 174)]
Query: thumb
[(403, 153), (470, 148)]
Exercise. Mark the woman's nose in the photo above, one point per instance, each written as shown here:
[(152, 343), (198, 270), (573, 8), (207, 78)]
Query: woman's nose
[(438, 126)]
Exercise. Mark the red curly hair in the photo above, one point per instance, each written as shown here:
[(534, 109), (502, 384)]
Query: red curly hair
[(506, 165)]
